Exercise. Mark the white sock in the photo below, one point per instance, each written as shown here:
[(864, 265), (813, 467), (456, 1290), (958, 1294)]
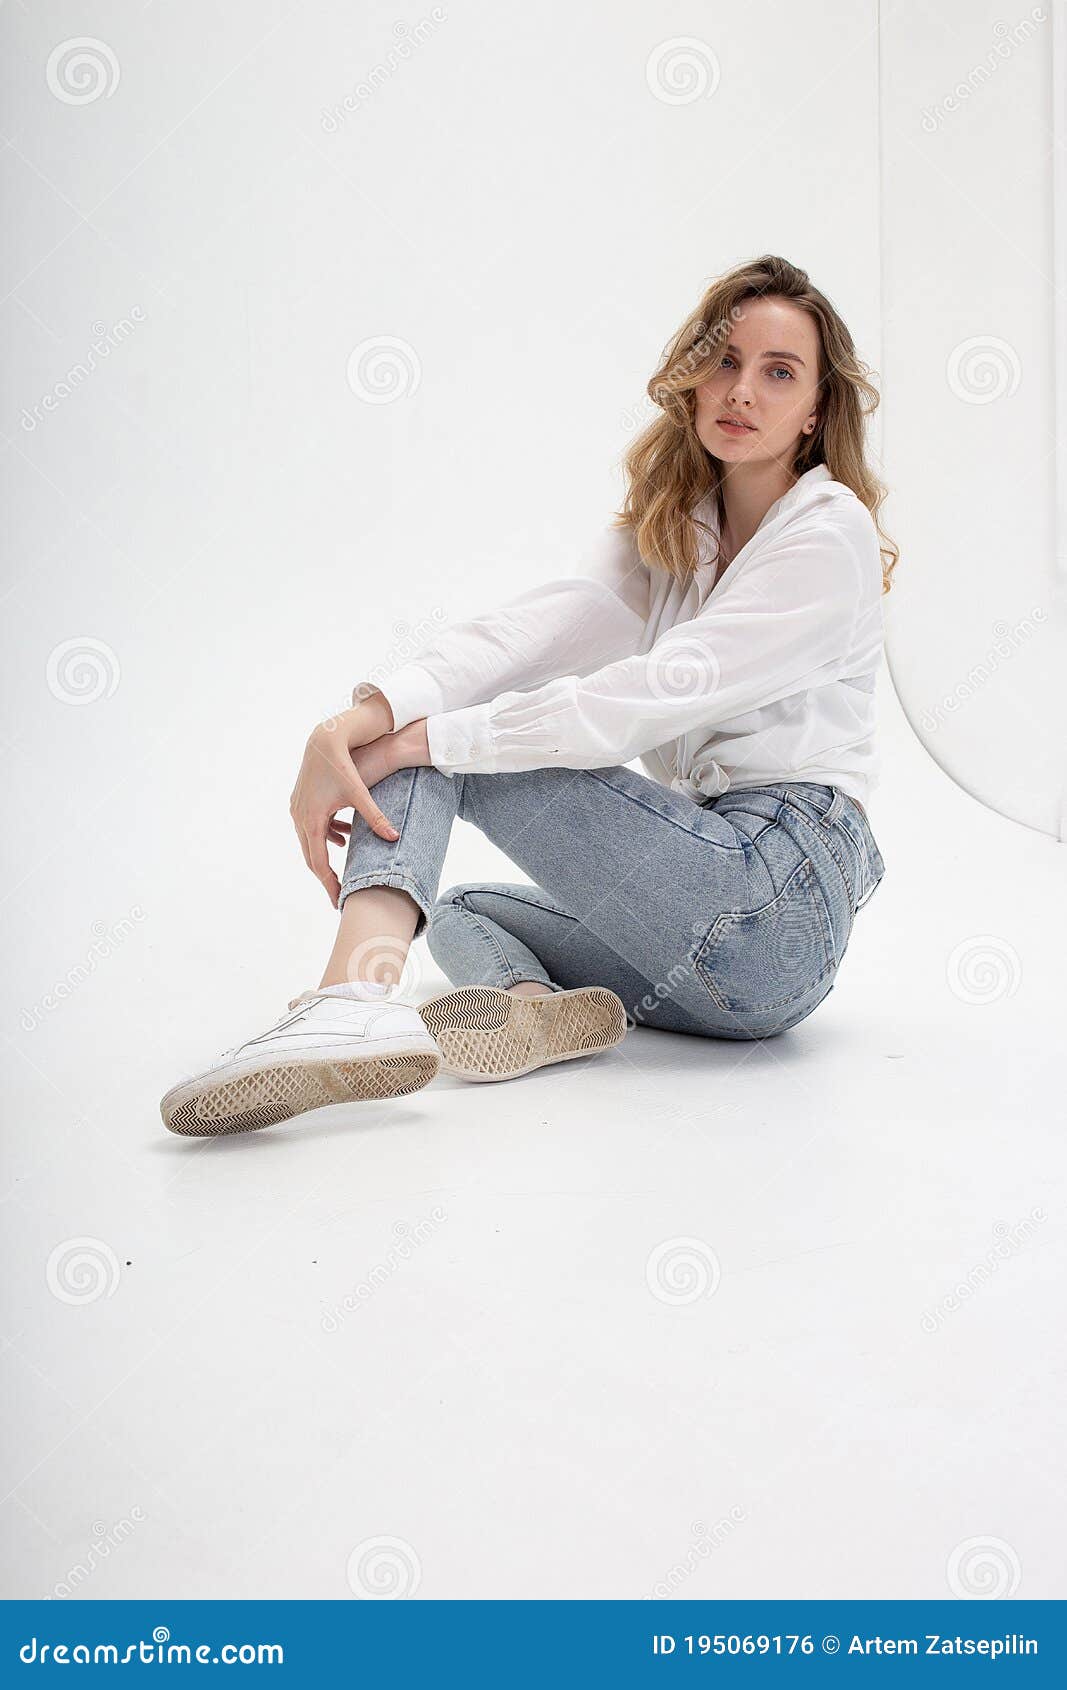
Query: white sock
[(356, 989)]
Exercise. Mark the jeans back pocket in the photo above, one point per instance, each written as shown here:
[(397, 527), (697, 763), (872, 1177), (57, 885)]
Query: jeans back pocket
[(753, 962)]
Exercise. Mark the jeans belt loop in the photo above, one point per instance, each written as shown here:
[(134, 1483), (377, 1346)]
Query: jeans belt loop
[(834, 809)]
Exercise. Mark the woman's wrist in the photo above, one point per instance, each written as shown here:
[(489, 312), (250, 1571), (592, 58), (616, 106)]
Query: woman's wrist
[(412, 746), (368, 719)]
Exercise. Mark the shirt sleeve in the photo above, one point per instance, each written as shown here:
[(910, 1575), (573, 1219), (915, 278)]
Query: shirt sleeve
[(572, 624), (782, 626)]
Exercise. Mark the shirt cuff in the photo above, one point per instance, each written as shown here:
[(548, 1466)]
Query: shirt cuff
[(411, 692), (461, 741)]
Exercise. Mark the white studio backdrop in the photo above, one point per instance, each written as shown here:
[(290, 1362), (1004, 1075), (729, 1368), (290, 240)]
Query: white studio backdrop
[(974, 331), (324, 325)]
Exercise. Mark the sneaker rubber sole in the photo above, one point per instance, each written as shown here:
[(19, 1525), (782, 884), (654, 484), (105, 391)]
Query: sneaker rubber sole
[(484, 1033), (276, 1091)]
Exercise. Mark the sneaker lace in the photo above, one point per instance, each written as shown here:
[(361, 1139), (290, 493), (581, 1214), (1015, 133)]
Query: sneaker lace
[(294, 1003)]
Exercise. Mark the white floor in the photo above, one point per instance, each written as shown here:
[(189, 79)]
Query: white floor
[(670, 1321)]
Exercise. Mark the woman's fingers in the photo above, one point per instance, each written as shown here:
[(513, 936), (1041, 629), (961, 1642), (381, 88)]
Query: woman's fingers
[(319, 863), (328, 781), (360, 799), (303, 841), (368, 809)]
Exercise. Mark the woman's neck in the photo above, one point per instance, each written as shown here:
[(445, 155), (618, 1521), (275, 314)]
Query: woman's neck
[(749, 491)]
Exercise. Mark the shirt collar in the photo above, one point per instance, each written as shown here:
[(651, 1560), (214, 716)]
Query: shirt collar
[(803, 488), (799, 493)]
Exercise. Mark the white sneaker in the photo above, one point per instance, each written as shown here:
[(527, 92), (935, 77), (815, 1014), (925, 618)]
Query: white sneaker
[(323, 1050)]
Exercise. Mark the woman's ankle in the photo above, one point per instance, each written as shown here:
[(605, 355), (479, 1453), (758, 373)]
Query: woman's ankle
[(530, 989)]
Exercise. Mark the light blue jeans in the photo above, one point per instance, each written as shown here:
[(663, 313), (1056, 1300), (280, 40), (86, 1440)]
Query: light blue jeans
[(727, 918)]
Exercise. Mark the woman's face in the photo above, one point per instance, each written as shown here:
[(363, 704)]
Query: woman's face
[(767, 379)]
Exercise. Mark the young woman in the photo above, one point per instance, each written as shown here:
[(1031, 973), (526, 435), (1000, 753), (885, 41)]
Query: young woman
[(725, 629)]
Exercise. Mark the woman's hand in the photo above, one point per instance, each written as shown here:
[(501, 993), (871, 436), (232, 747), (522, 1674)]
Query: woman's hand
[(329, 781), (406, 749)]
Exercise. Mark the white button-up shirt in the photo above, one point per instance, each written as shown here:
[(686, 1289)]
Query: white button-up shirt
[(766, 676)]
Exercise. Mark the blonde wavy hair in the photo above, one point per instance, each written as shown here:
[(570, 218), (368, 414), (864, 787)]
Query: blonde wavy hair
[(670, 471)]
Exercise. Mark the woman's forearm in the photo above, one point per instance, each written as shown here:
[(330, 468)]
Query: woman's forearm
[(409, 747), (371, 708)]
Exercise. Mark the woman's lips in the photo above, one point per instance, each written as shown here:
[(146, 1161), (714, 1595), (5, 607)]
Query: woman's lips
[(735, 427)]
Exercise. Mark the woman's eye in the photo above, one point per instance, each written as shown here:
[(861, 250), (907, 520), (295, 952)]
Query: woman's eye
[(780, 369)]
